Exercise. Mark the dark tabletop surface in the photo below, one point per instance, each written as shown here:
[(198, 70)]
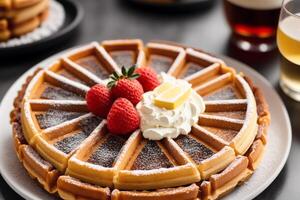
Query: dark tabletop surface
[(204, 28)]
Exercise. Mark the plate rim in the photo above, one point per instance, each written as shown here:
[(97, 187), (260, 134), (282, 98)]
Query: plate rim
[(27, 194)]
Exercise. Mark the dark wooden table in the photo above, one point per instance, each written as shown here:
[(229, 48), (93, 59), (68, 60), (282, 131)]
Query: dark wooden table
[(205, 28)]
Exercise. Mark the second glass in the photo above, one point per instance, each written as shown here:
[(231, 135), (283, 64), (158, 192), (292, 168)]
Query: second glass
[(288, 40), (253, 23)]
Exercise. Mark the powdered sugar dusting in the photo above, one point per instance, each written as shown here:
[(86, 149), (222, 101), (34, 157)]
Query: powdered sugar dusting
[(71, 76), (222, 94), (160, 63), (233, 114), (87, 126), (123, 58), (67, 123), (160, 170), (192, 68), (67, 82), (226, 102), (197, 151), (54, 117), (57, 103), (57, 93), (68, 144), (225, 134), (74, 66), (151, 157), (92, 64), (108, 151), (237, 122)]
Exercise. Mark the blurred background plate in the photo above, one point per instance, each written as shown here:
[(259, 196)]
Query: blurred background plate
[(176, 6), (73, 16), (276, 153)]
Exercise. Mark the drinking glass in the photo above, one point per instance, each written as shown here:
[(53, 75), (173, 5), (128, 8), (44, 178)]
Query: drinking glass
[(253, 23), (288, 41)]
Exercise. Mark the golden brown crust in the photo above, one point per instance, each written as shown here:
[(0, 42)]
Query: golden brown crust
[(242, 168), (262, 106), (70, 188), (18, 138), (233, 170), (261, 103), (37, 167), (262, 132), (255, 153), (180, 193), (15, 114), (221, 184), (205, 188), (264, 117), (249, 81), (256, 150)]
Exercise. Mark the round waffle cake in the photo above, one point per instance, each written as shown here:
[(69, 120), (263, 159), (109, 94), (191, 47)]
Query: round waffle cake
[(18, 17), (69, 150)]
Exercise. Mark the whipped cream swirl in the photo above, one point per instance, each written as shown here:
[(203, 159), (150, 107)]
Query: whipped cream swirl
[(158, 123)]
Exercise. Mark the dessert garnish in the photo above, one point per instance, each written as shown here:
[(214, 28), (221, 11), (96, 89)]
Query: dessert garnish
[(171, 96), (122, 118), (125, 85), (99, 100), (116, 101), (169, 110), (148, 78)]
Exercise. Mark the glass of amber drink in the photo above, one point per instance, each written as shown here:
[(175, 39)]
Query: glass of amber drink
[(288, 40), (253, 23)]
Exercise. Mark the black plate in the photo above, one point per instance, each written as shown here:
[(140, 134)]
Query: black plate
[(73, 16), (176, 6)]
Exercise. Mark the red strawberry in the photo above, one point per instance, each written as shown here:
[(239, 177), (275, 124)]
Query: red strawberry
[(99, 100), (122, 118), (148, 78), (126, 86)]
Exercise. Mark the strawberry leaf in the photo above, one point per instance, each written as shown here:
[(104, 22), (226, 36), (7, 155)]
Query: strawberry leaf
[(135, 76), (131, 71), (113, 78), (116, 75), (111, 84), (124, 71), (126, 74)]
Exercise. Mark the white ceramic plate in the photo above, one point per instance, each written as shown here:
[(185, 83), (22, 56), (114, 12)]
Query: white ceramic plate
[(276, 154)]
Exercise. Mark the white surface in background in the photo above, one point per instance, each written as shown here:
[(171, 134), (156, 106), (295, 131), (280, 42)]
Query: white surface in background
[(54, 21), (257, 4), (278, 147)]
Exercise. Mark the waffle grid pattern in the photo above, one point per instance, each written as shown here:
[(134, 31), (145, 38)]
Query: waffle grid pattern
[(65, 156)]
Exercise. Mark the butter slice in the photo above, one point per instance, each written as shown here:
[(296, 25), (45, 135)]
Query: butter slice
[(171, 96)]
